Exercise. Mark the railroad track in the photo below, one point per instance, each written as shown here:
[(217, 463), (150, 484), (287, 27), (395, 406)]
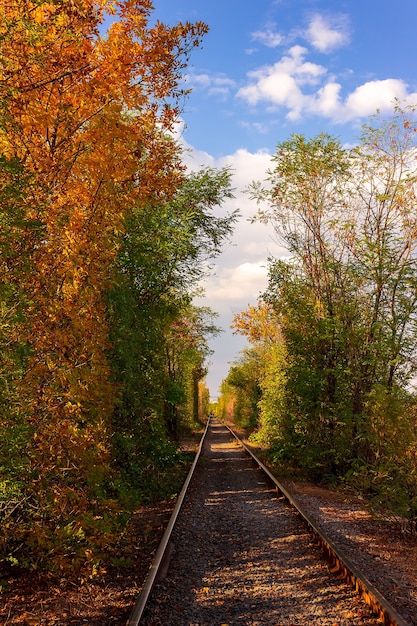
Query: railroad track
[(239, 550)]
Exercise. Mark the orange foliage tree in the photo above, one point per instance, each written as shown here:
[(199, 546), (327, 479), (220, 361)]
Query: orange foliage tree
[(86, 117)]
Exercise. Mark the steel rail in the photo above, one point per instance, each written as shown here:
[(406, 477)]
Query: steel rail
[(338, 563), (158, 561)]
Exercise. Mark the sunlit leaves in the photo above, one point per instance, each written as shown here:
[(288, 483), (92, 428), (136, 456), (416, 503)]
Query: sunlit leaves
[(346, 300), (85, 116)]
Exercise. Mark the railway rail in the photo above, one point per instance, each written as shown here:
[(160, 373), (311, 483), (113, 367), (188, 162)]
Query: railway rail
[(242, 551)]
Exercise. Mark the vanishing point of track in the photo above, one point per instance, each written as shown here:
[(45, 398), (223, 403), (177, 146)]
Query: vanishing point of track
[(238, 551)]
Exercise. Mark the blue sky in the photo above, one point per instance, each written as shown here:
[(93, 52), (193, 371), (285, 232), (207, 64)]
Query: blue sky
[(267, 69)]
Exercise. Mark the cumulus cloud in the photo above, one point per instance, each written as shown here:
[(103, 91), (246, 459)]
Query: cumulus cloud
[(328, 33), (247, 166), (362, 102), (237, 284), (375, 94), (240, 273), (282, 83), (303, 87), (327, 101)]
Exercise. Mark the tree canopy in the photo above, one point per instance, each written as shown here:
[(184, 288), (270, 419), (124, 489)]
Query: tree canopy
[(104, 237), (336, 393)]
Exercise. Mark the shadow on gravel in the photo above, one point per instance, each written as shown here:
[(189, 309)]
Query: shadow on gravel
[(242, 557)]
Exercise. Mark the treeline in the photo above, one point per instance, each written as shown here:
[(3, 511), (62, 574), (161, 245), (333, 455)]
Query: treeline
[(326, 382), (103, 239)]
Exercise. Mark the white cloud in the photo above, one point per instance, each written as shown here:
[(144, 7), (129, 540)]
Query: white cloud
[(268, 37), (360, 103), (246, 166), (199, 80), (327, 100), (240, 274), (259, 127), (220, 92), (215, 84), (281, 83), (303, 87), (238, 284), (327, 34), (376, 94)]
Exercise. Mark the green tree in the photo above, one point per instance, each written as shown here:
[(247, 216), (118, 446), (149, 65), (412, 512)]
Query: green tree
[(186, 350), (15, 261), (383, 245), (306, 201), (346, 299), (243, 379), (159, 339)]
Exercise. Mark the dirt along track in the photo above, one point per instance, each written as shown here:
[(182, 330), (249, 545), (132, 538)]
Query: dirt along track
[(241, 556)]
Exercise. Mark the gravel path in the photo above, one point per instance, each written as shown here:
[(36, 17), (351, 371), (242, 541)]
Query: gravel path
[(378, 548), (241, 556)]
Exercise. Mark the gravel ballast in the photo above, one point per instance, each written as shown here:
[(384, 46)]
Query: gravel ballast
[(241, 556)]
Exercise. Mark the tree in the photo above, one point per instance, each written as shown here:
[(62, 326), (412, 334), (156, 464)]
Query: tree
[(159, 339), (15, 262), (384, 242), (346, 299), (307, 201), (86, 118), (80, 101), (203, 401), (261, 326), (240, 390), (186, 350)]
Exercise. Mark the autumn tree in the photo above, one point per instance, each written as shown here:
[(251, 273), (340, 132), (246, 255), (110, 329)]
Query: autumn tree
[(241, 391), (85, 117), (224, 408), (204, 405), (261, 326)]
